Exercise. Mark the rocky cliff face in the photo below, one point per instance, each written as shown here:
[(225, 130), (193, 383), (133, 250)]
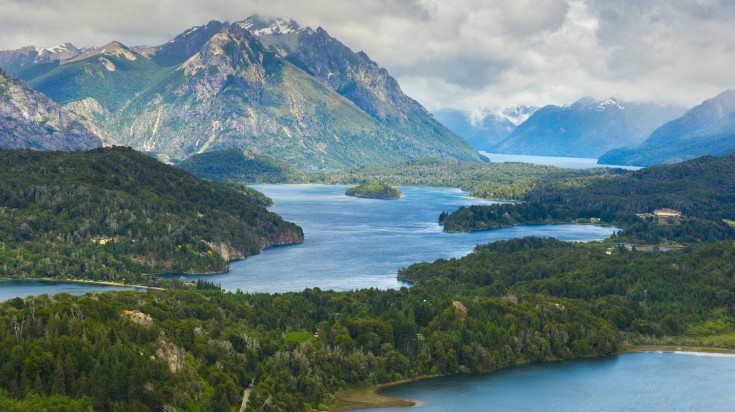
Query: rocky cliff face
[(27, 58), (30, 120), (354, 76), (239, 91)]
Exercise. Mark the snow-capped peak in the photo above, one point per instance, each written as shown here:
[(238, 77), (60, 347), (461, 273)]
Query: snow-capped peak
[(608, 103), (261, 26), (55, 49), (517, 114)]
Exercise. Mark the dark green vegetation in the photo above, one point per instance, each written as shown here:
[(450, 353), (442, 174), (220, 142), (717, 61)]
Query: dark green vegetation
[(241, 166), (224, 88), (689, 292), (507, 303), (707, 129), (199, 350), (587, 128), (112, 214), (702, 189), (374, 191), (449, 173)]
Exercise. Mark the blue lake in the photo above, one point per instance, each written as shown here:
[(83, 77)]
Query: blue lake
[(353, 243), (568, 162), (21, 288), (629, 382)]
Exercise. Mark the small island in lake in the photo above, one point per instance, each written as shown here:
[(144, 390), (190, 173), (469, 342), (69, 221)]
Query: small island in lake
[(374, 191)]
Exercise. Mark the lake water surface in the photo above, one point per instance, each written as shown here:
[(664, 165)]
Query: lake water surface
[(629, 382), (568, 162), (22, 288), (353, 243)]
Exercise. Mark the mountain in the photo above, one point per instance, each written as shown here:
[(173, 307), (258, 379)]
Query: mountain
[(587, 128), (114, 213), (30, 120), (236, 89), (183, 46), (486, 132), (359, 79), (30, 58), (707, 129)]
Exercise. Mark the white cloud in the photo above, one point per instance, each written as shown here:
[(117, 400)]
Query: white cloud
[(467, 54)]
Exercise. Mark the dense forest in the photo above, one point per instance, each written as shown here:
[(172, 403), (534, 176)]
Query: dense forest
[(239, 166), (242, 166), (507, 303), (702, 187), (112, 214), (374, 191), (702, 190), (448, 173)]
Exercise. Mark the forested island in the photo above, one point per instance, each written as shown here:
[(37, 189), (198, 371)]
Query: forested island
[(114, 214), (374, 191)]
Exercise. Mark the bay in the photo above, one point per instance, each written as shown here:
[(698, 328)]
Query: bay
[(23, 288), (352, 243), (628, 382)]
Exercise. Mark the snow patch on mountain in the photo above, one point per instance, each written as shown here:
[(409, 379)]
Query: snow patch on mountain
[(260, 26)]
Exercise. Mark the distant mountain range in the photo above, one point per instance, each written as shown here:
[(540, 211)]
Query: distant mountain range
[(28, 119), (484, 133), (587, 128), (707, 129), (270, 87)]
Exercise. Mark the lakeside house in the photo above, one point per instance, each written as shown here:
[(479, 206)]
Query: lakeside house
[(666, 212)]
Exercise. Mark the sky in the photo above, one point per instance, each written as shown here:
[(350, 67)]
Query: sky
[(473, 55)]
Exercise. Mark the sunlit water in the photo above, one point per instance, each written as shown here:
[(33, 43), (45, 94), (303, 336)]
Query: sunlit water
[(629, 382), (353, 243), (568, 162)]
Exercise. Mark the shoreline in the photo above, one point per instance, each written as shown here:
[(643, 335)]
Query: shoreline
[(366, 398), (89, 282)]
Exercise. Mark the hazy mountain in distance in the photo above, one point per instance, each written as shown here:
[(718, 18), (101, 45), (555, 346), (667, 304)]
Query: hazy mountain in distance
[(706, 129), (587, 128)]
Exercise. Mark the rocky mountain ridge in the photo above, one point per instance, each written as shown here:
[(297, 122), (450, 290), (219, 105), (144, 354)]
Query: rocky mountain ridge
[(315, 104), (28, 119)]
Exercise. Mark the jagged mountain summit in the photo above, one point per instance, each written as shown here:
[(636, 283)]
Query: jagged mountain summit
[(275, 89), (30, 120), (706, 129), (26, 58), (587, 128), (356, 77)]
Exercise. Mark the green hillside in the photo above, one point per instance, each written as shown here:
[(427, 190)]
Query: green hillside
[(241, 166), (110, 214)]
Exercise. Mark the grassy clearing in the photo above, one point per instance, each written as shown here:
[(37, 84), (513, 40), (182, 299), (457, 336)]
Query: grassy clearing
[(297, 337)]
